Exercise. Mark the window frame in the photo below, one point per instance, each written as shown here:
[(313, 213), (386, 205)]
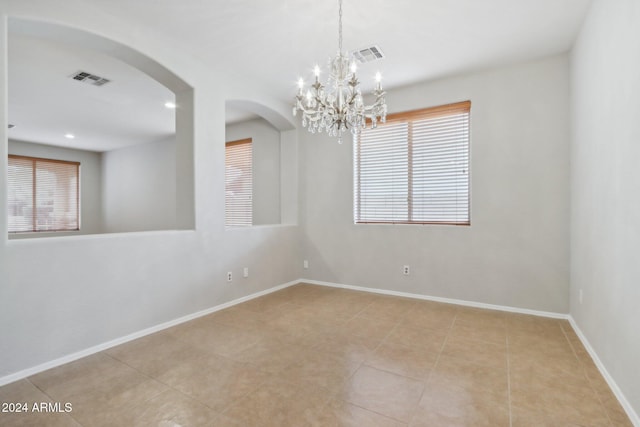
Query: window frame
[(410, 117), (34, 210)]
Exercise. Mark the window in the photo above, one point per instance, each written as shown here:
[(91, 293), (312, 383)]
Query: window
[(238, 183), (414, 169), (44, 195)]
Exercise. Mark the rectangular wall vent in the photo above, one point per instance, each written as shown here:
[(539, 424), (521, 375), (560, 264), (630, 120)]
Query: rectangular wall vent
[(92, 79), (11, 126), (368, 54)]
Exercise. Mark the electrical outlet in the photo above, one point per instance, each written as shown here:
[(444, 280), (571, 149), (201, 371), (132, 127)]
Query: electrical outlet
[(580, 296), (229, 276), (245, 272), (406, 270), (305, 264)]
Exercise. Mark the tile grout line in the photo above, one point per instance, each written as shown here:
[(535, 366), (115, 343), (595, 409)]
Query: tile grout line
[(384, 338), (509, 378), (170, 387), (52, 399), (378, 413), (363, 363), (435, 364), (573, 350), (444, 343), (333, 395)]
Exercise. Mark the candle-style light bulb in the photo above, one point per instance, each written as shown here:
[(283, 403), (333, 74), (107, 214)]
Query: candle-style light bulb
[(378, 80), (354, 67), (300, 83), (316, 71)]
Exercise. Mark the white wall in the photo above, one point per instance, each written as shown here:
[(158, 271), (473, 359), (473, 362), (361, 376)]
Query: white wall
[(605, 183), (266, 167), (515, 252), (90, 183), (139, 187), (62, 295)]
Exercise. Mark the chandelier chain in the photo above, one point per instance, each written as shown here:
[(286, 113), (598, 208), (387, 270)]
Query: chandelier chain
[(340, 25)]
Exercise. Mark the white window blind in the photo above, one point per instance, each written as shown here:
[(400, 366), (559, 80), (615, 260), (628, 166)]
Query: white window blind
[(43, 195), (239, 183), (415, 168)]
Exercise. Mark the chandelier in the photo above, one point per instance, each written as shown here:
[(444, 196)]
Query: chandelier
[(338, 106)]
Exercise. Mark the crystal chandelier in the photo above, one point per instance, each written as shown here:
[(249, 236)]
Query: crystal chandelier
[(339, 106)]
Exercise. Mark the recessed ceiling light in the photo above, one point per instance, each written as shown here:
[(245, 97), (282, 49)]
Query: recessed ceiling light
[(170, 105), (69, 135)]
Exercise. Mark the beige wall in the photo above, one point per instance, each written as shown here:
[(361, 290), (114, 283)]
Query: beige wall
[(605, 184), (515, 252), (139, 187)]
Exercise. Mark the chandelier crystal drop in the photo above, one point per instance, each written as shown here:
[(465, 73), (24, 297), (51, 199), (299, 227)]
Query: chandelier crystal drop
[(339, 106)]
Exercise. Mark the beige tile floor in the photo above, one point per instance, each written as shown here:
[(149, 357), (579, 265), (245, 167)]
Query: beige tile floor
[(317, 356)]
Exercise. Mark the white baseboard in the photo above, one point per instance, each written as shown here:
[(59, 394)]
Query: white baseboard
[(440, 299), (148, 331), (631, 413)]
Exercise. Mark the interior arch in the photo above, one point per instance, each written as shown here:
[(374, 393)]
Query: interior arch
[(274, 158), (178, 151), (275, 118)]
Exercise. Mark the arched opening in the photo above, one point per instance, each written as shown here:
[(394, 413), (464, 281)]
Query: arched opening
[(262, 171), (125, 118)]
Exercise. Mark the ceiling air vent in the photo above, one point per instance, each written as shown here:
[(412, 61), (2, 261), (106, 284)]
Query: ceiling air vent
[(368, 54), (92, 79)]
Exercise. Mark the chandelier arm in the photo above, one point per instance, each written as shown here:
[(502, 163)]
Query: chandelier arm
[(311, 113), (352, 98)]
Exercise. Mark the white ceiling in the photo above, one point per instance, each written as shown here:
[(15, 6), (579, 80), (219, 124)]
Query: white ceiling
[(45, 103), (273, 43)]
